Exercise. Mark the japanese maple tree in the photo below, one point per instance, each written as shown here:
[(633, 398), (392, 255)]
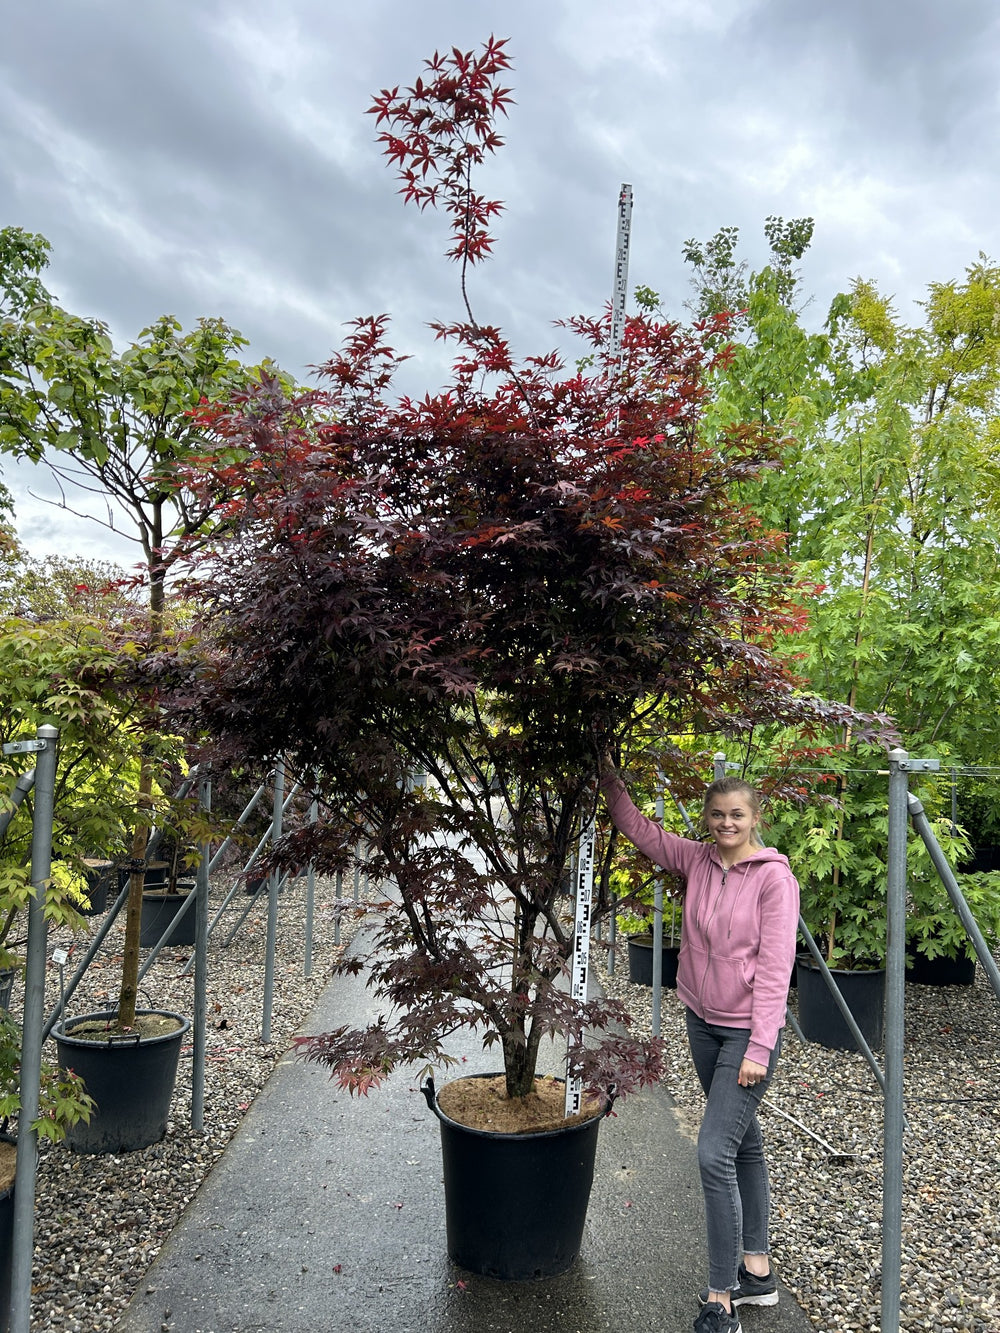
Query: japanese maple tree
[(482, 586)]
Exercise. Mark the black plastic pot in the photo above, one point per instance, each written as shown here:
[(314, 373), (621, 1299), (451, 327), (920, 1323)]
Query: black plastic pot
[(640, 962), (941, 971), (515, 1204), (820, 1019), (158, 910), (100, 876), (131, 1079), (155, 875)]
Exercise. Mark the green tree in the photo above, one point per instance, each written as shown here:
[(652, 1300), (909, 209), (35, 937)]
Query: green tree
[(888, 496), (119, 425), (127, 427)]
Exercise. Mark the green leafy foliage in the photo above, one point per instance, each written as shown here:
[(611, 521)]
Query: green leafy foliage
[(76, 676), (62, 1099), (888, 496)]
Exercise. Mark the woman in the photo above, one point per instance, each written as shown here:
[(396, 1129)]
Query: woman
[(741, 911)]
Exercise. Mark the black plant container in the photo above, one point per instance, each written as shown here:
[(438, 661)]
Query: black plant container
[(100, 876), (515, 1204), (640, 962), (941, 971), (158, 910), (820, 1019), (130, 1078)]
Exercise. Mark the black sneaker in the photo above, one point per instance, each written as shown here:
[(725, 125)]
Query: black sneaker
[(715, 1318), (749, 1289)]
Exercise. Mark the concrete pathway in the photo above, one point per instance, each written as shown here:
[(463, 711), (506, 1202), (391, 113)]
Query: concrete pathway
[(326, 1213)]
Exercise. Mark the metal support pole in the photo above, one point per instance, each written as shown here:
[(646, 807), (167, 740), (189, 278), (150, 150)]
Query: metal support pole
[(613, 935), (272, 905), (102, 931), (307, 966), (249, 809), (719, 765), (22, 786), (201, 973), (22, 1248), (337, 906), (986, 959), (841, 1003), (892, 1142)]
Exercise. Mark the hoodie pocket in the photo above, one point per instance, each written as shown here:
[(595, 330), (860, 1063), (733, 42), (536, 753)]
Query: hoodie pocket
[(723, 987)]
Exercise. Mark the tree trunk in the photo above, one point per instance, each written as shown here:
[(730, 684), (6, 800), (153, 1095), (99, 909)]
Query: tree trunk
[(129, 992)]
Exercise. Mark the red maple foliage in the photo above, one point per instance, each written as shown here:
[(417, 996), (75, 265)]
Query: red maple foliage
[(481, 586)]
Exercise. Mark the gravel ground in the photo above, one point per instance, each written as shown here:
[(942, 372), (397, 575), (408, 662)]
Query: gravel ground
[(100, 1220), (827, 1235)]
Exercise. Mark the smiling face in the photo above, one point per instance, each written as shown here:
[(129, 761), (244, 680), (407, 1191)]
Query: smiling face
[(731, 821)]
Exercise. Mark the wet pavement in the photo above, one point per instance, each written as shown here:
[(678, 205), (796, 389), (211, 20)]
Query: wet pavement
[(326, 1212)]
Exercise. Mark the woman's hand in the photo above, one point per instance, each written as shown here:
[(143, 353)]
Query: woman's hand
[(607, 761), (751, 1073)]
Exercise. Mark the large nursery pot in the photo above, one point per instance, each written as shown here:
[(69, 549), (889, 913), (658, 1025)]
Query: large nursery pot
[(515, 1204), (131, 1078), (940, 970), (159, 908), (100, 877), (640, 962), (821, 1021)]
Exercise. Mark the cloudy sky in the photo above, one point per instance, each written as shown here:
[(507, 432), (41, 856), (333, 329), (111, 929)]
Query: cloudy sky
[(203, 157)]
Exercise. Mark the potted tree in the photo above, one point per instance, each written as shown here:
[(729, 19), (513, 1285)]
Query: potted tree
[(120, 422), (78, 676), (838, 850), (469, 586)]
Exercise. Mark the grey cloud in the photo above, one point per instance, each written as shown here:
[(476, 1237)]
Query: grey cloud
[(208, 157)]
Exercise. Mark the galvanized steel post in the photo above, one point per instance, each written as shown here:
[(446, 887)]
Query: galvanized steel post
[(201, 972), (892, 1144), (272, 904), (23, 1245), (307, 965)]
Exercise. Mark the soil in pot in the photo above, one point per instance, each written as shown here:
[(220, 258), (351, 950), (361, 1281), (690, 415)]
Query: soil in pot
[(482, 1103), (146, 1026)]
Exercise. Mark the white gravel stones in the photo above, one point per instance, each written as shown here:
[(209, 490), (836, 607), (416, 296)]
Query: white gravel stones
[(827, 1234), (100, 1220)]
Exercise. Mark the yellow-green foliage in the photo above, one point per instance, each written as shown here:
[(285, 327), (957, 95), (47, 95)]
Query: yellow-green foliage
[(78, 677)]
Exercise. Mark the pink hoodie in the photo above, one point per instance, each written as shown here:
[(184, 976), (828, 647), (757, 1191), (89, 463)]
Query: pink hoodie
[(738, 928)]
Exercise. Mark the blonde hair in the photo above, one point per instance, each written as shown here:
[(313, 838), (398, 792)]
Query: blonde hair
[(728, 787)]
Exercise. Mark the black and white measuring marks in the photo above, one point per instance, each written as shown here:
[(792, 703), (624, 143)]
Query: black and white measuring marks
[(581, 947)]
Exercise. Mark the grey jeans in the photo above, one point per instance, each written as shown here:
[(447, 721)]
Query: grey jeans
[(730, 1150)]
